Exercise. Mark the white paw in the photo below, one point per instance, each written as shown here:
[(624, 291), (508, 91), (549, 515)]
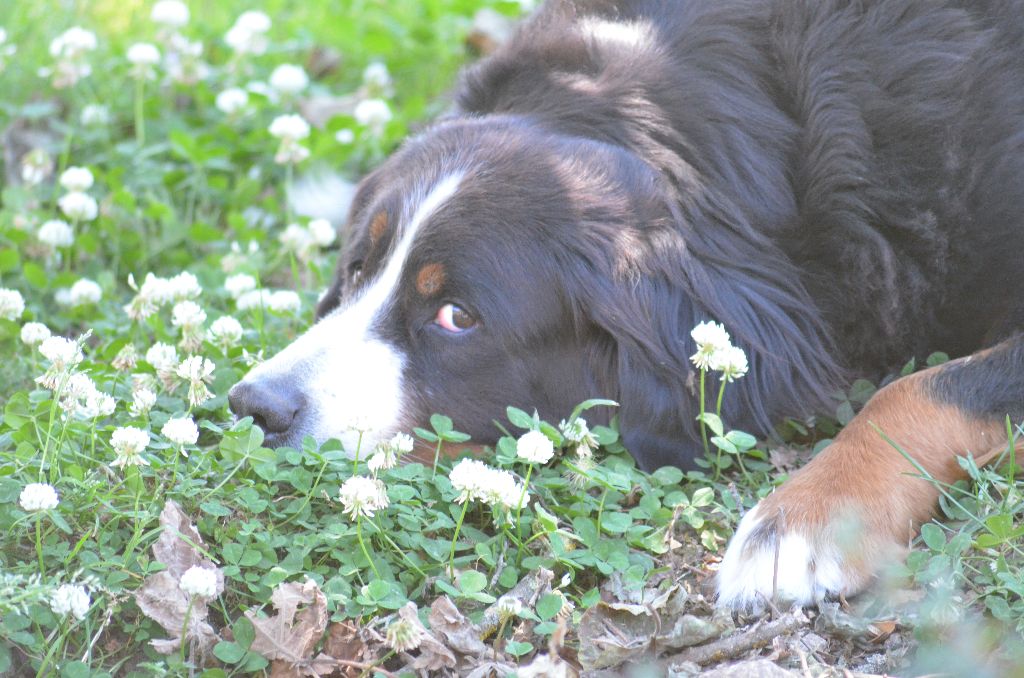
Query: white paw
[(766, 563)]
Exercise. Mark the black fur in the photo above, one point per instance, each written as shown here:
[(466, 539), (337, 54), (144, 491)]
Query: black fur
[(839, 182), (986, 385)]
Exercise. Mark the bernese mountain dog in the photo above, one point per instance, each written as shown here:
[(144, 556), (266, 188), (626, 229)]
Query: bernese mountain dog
[(839, 182)]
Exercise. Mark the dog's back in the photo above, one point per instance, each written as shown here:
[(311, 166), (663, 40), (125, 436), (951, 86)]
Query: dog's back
[(878, 144)]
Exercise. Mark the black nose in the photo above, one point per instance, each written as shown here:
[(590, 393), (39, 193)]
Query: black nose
[(273, 406)]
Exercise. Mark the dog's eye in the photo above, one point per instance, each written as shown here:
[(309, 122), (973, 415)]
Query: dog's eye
[(454, 318), (355, 271)]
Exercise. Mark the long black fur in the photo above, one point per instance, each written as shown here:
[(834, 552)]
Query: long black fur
[(839, 182), (827, 162)]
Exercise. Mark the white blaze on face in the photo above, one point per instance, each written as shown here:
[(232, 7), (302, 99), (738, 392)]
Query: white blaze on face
[(347, 373)]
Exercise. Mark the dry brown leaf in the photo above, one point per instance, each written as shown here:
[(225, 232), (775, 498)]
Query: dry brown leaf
[(434, 654), (462, 635), (160, 597), (547, 666), (880, 630), (291, 635), (176, 545), (344, 642)]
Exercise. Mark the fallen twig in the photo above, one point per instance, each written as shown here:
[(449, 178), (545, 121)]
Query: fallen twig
[(732, 646)]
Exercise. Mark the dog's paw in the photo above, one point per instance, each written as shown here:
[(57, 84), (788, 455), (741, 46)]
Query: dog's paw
[(769, 561)]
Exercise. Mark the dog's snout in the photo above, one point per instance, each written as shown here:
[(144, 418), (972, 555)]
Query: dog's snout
[(273, 406)]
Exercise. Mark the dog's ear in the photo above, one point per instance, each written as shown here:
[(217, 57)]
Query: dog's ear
[(706, 263)]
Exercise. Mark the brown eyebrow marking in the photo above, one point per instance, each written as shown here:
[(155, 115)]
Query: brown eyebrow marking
[(430, 279), (378, 226)]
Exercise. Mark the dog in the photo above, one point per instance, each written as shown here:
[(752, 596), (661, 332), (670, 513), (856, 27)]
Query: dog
[(839, 182)]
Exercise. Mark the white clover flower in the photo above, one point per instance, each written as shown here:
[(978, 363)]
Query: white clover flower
[(297, 240), (322, 232), (36, 165), (362, 496), (38, 497), (126, 358), (34, 333), (245, 42), (71, 599), (64, 355), (402, 443), (73, 43), (143, 401), (226, 331), (81, 399), (200, 582), (290, 126), (731, 361), (154, 293), (56, 233), (95, 115), (247, 35), (254, 21), (99, 404), (187, 314), (70, 49), (709, 337), (387, 453), (466, 477), (183, 63), (12, 304), (382, 459), (169, 13), (78, 206), (289, 79), (359, 423), (181, 431), (578, 434), (198, 372), (373, 114), (239, 283), (129, 442), (79, 386), (376, 77), (284, 301), (141, 380), (196, 368), (475, 480), (252, 299), (76, 179), (162, 356), (535, 447), (232, 100), (402, 635), (184, 286), (143, 55), (61, 352), (509, 606), (344, 136), (84, 292), (290, 129)]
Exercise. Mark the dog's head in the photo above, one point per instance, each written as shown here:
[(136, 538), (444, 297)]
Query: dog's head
[(491, 263)]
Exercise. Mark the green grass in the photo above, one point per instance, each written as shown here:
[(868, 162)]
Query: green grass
[(271, 518)]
